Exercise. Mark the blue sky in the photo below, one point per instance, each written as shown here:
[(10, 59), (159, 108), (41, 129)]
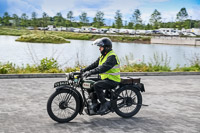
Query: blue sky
[(168, 8)]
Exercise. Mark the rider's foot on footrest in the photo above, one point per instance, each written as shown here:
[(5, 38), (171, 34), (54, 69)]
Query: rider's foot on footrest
[(104, 108)]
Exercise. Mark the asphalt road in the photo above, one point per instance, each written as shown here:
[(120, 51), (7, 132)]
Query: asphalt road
[(174, 107)]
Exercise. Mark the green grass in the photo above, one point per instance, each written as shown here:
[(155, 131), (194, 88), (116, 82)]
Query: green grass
[(42, 38), (13, 31)]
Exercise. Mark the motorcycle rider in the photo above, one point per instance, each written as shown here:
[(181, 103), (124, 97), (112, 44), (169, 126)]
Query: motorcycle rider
[(107, 66)]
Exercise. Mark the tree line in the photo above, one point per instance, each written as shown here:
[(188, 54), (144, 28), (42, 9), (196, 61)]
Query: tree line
[(182, 20)]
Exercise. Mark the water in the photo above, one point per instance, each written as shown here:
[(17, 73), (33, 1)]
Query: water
[(83, 52)]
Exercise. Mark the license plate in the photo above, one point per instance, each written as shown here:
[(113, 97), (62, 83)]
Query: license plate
[(60, 83)]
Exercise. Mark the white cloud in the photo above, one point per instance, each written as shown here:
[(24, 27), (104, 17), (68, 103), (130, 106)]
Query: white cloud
[(51, 7), (145, 17), (21, 6), (169, 16), (125, 7), (194, 13)]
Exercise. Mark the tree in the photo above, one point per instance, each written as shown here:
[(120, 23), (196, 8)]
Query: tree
[(130, 25), (113, 25), (59, 20), (34, 19), (182, 14), (125, 24), (98, 20), (155, 19), (83, 18), (148, 27), (44, 20), (24, 19), (118, 19), (136, 19), (1, 20), (197, 24), (16, 20), (70, 17), (6, 18)]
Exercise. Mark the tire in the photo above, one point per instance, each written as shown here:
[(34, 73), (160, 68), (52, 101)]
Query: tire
[(125, 100), (58, 99)]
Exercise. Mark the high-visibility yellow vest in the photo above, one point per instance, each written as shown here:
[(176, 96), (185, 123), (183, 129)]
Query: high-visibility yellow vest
[(113, 73)]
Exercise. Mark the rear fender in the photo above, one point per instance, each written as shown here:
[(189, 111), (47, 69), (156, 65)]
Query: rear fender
[(138, 86), (75, 91)]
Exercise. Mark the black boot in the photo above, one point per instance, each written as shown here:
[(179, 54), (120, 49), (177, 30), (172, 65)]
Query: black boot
[(104, 108)]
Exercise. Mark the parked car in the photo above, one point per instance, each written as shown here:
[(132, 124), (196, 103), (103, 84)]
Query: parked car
[(140, 31), (70, 29), (156, 32), (169, 31), (123, 31), (131, 31), (86, 29), (191, 34), (30, 28), (77, 30), (188, 34), (95, 30), (148, 32), (111, 32), (102, 30)]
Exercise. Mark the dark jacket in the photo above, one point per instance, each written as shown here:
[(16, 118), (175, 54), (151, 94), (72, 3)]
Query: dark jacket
[(96, 69)]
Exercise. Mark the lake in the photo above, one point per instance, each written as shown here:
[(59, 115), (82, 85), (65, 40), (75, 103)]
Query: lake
[(85, 53)]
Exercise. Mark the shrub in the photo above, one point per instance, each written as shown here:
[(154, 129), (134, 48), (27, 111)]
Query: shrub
[(3, 70), (47, 64)]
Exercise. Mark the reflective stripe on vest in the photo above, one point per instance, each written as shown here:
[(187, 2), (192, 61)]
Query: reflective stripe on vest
[(113, 73)]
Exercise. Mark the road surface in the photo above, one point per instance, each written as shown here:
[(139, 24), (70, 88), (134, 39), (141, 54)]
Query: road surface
[(174, 107)]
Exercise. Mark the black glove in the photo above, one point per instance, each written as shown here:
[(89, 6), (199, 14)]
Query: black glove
[(82, 70), (87, 74)]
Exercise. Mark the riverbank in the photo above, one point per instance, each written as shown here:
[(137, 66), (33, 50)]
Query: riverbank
[(75, 36), (191, 41)]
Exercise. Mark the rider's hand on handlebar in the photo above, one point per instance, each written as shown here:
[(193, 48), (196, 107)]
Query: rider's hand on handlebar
[(87, 74), (82, 70)]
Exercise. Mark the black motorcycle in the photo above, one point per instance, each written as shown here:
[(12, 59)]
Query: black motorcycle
[(66, 102)]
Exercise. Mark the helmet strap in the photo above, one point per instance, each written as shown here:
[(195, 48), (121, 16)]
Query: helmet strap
[(106, 50), (103, 52)]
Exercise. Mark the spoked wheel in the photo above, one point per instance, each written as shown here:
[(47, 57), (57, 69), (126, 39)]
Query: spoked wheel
[(63, 105), (129, 101)]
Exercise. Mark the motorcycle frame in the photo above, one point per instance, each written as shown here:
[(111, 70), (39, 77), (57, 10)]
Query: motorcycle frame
[(82, 98)]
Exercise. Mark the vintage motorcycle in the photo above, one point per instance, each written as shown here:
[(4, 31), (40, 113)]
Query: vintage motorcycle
[(66, 102)]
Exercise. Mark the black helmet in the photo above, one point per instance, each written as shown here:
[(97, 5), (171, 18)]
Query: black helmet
[(103, 42)]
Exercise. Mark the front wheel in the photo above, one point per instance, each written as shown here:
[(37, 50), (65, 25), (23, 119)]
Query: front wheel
[(128, 103), (63, 105)]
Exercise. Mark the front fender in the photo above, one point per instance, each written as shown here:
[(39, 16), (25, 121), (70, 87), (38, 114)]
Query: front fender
[(75, 91)]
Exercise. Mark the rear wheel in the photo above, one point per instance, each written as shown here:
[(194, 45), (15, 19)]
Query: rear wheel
[(128, 103), (63, 106)]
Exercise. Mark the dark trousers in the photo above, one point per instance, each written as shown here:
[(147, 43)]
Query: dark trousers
[(101, 85)]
